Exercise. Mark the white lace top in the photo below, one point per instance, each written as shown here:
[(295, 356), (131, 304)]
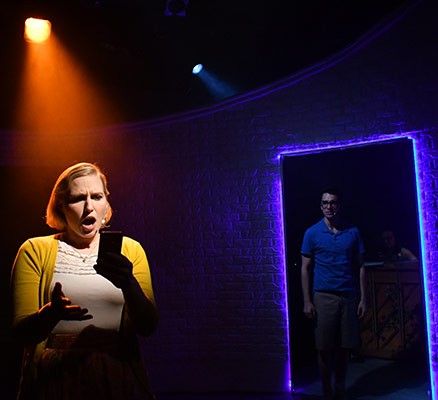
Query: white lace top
[(84, 287)]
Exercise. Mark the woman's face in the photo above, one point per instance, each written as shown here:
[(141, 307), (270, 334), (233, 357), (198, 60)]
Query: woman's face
[(85, 208), (388, 239)]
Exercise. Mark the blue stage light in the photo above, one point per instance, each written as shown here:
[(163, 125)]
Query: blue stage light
[(197, 69)]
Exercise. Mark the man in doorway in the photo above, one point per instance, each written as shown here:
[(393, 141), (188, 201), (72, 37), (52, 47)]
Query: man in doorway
[(333, 284)]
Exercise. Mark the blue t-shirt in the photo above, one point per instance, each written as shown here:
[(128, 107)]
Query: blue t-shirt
[(333, 255)]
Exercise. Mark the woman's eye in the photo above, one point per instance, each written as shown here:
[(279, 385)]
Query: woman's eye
[(73, 200)]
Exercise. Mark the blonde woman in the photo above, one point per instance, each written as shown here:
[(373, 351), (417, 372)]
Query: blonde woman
[(77, 315)]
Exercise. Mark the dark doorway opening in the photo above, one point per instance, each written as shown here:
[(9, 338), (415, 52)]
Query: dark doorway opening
[(379, 187)]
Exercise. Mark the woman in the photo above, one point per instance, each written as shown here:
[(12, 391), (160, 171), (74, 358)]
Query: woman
[(77, 315), (392, 251)]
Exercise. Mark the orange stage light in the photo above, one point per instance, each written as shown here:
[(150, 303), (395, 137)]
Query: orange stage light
[(37, 30)]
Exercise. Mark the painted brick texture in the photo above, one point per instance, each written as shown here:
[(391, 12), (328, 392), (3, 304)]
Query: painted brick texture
[(228, 331), (233, 256)]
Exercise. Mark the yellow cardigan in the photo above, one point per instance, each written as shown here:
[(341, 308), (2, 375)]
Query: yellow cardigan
[(31, 279)]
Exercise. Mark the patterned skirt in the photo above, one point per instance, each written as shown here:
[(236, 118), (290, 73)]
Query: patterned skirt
[(74, 367)]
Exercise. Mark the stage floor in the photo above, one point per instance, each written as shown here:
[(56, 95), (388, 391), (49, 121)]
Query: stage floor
[(368, 379)]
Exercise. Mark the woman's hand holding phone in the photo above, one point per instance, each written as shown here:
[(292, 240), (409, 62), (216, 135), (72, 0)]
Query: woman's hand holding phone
[(116, 268), (111, 264)]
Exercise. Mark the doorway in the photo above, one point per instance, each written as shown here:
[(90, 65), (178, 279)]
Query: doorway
[(379, 187)]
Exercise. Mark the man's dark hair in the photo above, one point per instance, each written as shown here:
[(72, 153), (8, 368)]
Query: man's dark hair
[(333, 190)]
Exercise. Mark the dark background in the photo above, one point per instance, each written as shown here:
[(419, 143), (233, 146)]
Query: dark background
[(143, 58)]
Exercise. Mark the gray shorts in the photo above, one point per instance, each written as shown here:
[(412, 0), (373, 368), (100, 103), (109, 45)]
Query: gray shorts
[(336, 323)]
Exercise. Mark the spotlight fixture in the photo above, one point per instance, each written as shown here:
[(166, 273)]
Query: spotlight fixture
[(197, 69), (93, 3), (176, 8), (37, 30)]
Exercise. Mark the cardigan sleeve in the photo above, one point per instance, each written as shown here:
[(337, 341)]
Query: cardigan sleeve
[(31, 277), (141, 271), (25, 282)]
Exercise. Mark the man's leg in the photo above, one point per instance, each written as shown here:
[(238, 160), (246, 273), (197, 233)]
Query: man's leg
[(349, 340), (341, 364), (326, 327), (325, 361)]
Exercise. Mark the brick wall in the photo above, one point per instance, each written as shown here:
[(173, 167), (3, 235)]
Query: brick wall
[(220, 282)]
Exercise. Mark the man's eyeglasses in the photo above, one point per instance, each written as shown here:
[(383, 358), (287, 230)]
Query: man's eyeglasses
[(331, 203)]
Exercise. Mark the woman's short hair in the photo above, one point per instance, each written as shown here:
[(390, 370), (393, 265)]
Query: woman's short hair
[(54, 215)]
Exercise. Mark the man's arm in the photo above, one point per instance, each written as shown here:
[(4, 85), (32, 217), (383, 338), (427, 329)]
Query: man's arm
[(306, 265), (362, 307)]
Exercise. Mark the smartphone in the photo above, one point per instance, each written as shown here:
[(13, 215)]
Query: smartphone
[(110, 242)]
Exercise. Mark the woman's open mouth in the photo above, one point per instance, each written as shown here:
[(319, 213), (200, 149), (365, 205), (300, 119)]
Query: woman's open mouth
[(89, 221)]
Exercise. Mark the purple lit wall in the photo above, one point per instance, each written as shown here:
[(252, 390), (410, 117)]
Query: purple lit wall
[(224, 229), (202, 191)]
